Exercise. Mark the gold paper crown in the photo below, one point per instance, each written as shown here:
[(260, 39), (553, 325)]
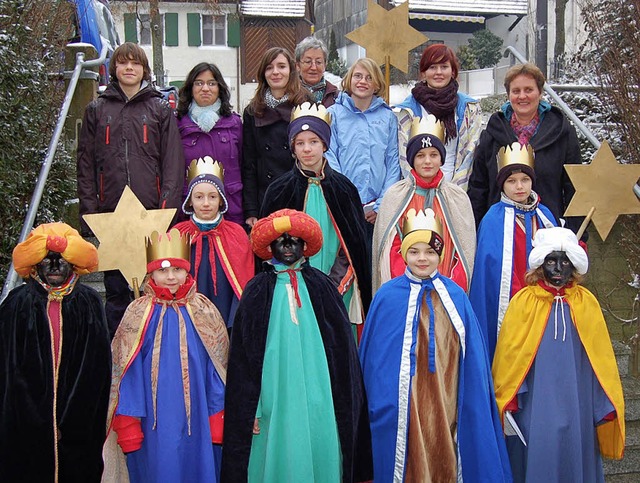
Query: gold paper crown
[(170, 245), (205, 165), (427, 125), (516, 153), (422, 220), (309, 109)]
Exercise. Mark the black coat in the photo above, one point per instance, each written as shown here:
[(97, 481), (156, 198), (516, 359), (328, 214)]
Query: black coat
[(555, 144), (266, 154), (244, 375), (27, 387), (129, 142), (289, 191)]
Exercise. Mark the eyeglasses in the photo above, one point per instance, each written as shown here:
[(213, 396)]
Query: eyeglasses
[(358, 77), (200, 84), (310, 62)]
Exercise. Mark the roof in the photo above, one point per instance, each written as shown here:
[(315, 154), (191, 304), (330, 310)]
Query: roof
[(270, 8), (487, 7)]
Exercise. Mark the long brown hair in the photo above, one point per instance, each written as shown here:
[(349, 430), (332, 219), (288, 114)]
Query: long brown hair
[(297, 95)]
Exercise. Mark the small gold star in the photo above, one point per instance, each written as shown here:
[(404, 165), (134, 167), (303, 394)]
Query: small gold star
[(606, 185), (387, 32), (121, 235)]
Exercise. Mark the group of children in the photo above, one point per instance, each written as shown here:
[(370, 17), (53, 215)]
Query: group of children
[(416, 402)]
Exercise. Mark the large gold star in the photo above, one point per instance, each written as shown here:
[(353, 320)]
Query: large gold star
[(606, 185), (121, 235), (387, 32)]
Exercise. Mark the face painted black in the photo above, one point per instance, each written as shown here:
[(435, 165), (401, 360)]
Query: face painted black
[(287, 249), (557, 269), (54, 270)]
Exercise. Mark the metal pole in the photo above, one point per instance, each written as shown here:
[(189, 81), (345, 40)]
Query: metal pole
[(565, 108), (12, 276)]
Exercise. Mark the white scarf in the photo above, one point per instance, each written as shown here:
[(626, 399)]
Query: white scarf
[(205, 117)]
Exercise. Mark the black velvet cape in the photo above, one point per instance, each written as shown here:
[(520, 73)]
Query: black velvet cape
[(27, 387), (244, 376), (343, 200)]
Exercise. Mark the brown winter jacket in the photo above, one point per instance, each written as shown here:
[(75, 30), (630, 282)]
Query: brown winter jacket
[(132, 142)]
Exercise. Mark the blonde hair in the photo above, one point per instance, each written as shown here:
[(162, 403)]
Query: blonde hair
[(374, 71)]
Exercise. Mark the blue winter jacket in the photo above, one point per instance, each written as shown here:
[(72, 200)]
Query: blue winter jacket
[(364, 146)]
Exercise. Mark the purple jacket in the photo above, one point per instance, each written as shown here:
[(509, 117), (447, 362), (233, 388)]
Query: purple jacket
[(224, 144)]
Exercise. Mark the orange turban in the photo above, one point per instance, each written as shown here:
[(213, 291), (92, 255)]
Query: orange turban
[(293, 222), (59, 238)]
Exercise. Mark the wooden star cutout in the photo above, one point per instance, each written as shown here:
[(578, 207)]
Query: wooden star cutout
[(606, 185), (387, 32), (122, 235)]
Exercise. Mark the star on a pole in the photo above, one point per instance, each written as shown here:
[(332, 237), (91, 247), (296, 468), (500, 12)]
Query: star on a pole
[(122, 235), (387, 32), (606, 185)]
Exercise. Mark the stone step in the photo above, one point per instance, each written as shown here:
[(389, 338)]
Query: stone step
[(631, 390), (623, 355), (623, 478), (618, 471)]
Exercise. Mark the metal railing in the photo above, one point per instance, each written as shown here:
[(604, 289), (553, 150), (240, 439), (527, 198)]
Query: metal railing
[(27, 226)]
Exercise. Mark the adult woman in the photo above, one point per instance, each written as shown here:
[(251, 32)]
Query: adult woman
[(208, 127), (364, 142), (526, 118), (311, 60), (437, 93), (266, 153)]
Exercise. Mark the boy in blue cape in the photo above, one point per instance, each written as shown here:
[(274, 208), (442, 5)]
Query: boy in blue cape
[(431, 403), (504, 240)]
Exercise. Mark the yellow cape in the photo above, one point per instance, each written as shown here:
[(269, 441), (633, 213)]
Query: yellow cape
[(522, 329)]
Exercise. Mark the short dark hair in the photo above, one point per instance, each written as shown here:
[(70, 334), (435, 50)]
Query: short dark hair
[(527, 69), (129, 51), (186, 91)]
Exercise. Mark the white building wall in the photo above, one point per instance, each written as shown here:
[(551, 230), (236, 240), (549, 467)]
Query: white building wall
[(179, 60)]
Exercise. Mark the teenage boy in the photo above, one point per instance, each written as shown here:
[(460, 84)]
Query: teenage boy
[(425, 187), (129, 138), (332, 200), (504, 240)]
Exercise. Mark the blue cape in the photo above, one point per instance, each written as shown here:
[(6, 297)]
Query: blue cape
[(386, 367), (490, 290)]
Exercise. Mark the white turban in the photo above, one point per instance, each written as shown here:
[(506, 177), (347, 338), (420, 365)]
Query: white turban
[(558, 239)]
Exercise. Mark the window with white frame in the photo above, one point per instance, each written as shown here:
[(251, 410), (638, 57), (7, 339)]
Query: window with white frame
[(213, 30)]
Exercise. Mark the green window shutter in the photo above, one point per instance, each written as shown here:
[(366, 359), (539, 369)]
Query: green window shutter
[(171, 29), (233, 31), (193, 30), (130, 28)]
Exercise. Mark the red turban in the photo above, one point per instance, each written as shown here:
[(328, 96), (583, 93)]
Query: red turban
[(293, 222)]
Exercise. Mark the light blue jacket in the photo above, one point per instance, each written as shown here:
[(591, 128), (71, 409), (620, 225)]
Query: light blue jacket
[(364, 146)]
